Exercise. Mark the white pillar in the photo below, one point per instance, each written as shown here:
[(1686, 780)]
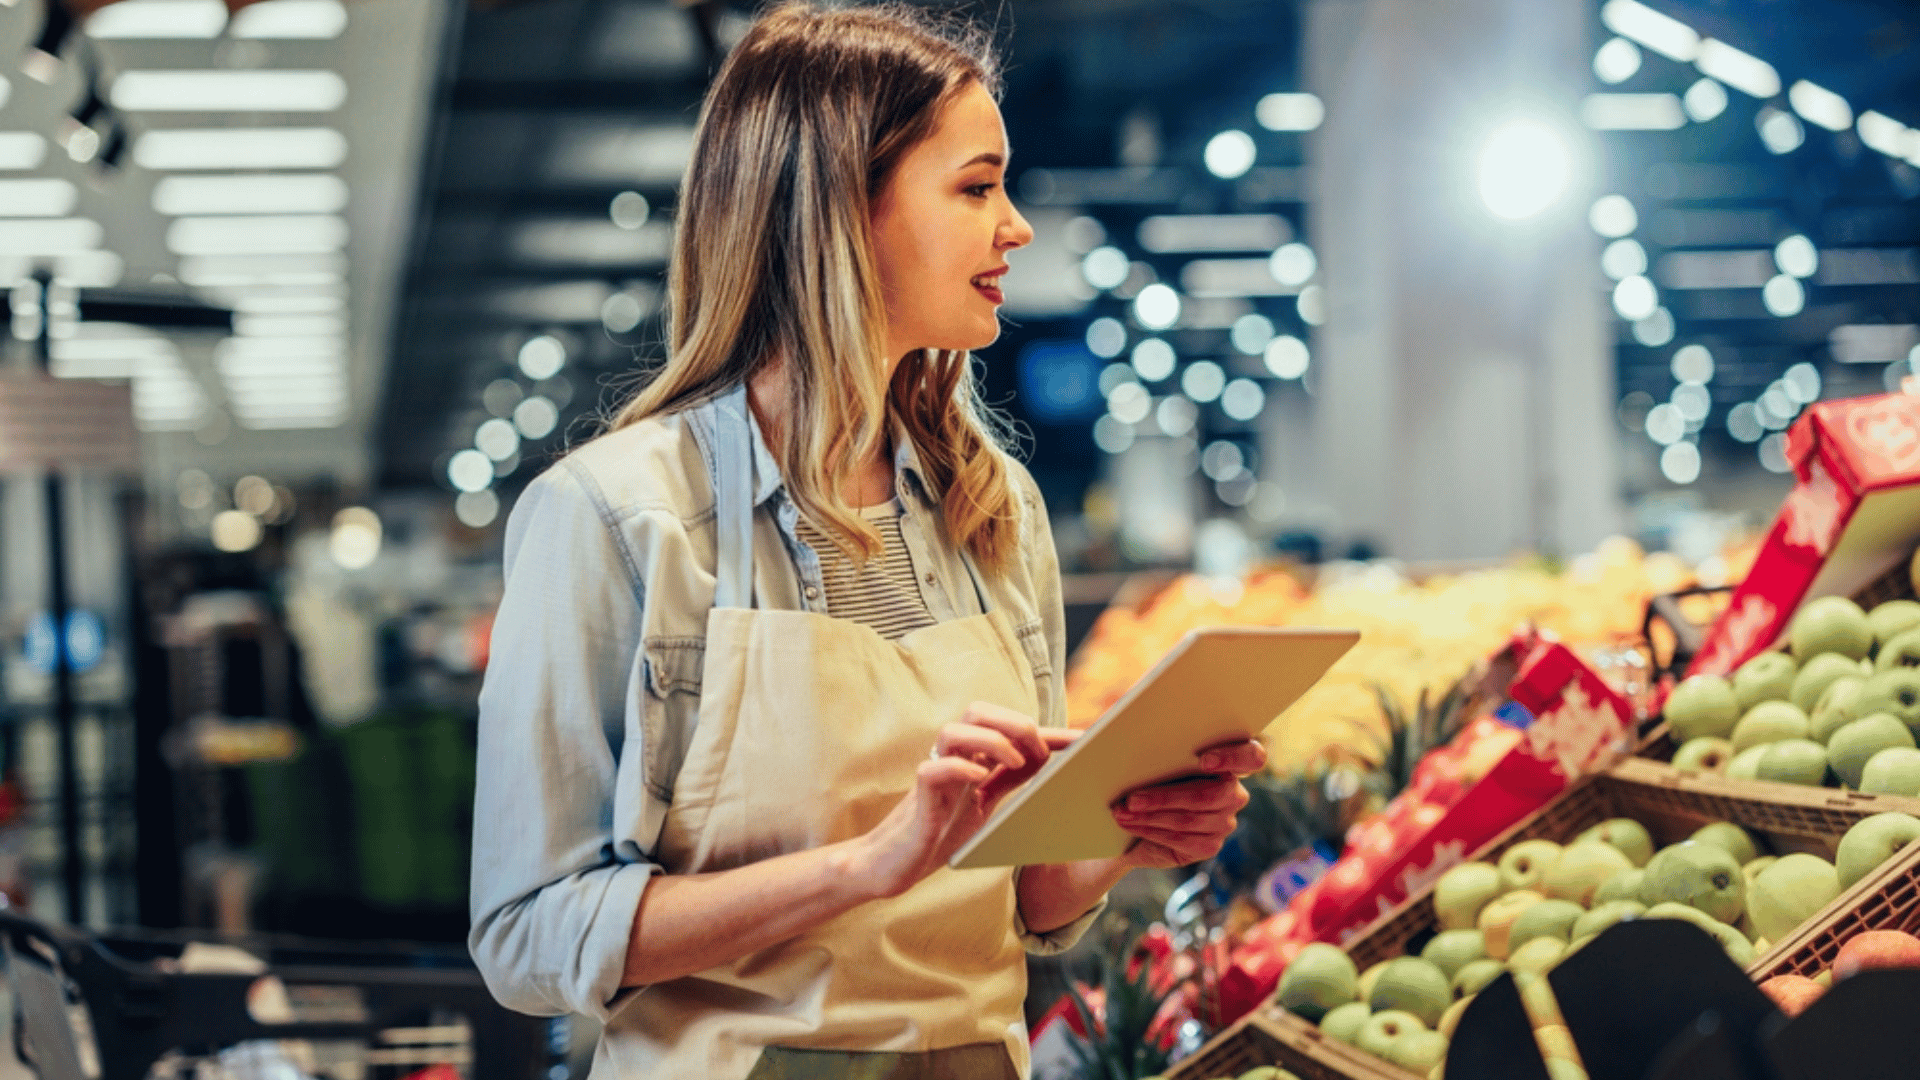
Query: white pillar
[(1464, 373)]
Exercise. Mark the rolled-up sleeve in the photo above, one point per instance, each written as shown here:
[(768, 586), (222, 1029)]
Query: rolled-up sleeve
[(554, 895)]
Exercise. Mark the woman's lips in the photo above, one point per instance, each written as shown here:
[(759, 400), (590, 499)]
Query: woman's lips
[(991, 292)]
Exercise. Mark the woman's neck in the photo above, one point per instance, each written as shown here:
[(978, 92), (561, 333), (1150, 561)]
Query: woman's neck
[(872, 482)]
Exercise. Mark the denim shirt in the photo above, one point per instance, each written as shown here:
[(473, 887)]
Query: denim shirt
[(592, 690)]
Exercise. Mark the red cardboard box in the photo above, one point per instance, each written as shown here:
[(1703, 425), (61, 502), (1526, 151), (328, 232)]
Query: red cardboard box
[(1854, 512)]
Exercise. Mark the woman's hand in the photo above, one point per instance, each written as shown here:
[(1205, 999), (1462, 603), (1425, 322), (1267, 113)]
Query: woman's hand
[(1182, 823), (978, 760)]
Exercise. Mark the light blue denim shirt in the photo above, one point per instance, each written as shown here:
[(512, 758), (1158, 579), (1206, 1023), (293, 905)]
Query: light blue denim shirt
[(592, 690)]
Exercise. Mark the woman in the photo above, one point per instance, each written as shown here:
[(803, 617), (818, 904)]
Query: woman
[(772, 648)]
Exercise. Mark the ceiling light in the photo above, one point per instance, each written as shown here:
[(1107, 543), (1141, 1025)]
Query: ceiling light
[(1524, 168), (1664, 35), (477, 509), (1157, 307), (1635, 298), (1613, 215), (1293, 264), (1784, 296), (629, 210), (1780, 131), (229, 91), (47, 237), (497, 439), (1287, 357), (240, 148), (1617, 61), (283, 303), (289, 326), (1290, 112), (158, 19), (1887, 135), (1106, 337), (1796, 255), (1154, 359), (536, 417), (38, 197), (1623, 258), (1680, 462), (244, 271), (1740, 70), (591, 242), (1655, 330), (303, 194), (1820, 105), (289, 235), (470, 470), (1203, 381), (542, 357), (21, 150), (1692, 363), (1230, 154), (311, 19), (1105, 267), (1704, 100), (1632, 112), (1172, 233), (235, 531)]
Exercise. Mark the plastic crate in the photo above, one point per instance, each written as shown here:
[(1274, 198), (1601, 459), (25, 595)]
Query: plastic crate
[(1887, 899), (1270, 1035), (1671, 805)]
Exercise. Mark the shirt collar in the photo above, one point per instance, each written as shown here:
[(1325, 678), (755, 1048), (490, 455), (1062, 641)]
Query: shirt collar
[(768, 479)]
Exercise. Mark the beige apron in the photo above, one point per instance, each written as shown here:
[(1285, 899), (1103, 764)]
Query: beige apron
[(810, 731)]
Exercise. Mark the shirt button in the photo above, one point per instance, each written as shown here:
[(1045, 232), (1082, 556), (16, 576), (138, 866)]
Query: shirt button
[(929, 577), (812, 593)]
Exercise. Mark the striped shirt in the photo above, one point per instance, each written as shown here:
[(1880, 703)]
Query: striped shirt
[(882, 594)]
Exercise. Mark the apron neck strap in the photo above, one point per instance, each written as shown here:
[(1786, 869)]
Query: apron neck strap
[(729, 456)]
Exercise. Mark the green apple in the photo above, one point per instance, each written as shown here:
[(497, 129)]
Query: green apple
[(1367, 978), (1462, 891), (1896, 691), (1548, 918), (1537, 955), (1902, 650), (1322, 977), (1768, 722), (1413, 985), (1702, 705), (1767, 677), (1451, 950), (1892, 618), (1418, 1051), (1702, 875), (1736, 945), (1704, 754), (1754, 866), (1525, 863), (1730, 837), (1871, 842), (1816, 675), (1892, 772), (1624, 885), (1854, 745), (1474, 978), (1381, 1029), (1787, 893), (1793, 761), (1746, 764), (1344, 1023), (1831, 624), (1583, 866), (1497, 919), (1605, 915), (1628, 835), (1834, 710)]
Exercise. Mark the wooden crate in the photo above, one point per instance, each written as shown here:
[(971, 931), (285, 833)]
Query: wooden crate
[(1269, 1035), (1887, 899)]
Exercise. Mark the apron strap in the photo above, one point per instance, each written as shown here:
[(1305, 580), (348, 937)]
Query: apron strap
[(730, 459)]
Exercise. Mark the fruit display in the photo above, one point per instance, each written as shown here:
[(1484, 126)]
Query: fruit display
[(1415, 635), (1840, 708)]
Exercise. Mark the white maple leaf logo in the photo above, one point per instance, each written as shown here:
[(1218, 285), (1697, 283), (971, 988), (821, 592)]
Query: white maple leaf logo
[(1446, 856), (1577, 734), (1812, 512), (1737, 634)]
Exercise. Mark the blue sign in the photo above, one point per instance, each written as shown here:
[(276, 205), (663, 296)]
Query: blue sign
[(86, 640), (1059, 381)]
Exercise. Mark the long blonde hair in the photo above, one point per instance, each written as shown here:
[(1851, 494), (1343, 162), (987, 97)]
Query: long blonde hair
[(773, 260)]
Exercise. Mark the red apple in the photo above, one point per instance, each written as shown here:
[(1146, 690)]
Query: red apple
[(1877, 949), (1792, 994)]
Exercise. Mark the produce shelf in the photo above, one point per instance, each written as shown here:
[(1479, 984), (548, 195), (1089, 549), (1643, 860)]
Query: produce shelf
[(1887, 899), (1269, 1035)]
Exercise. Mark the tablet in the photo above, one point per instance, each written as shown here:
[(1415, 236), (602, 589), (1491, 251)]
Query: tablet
[(1217, 685)]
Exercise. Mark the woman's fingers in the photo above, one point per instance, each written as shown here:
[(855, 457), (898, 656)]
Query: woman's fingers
[(1020, 730), (1220, 822), (1205, 794), (979, 744), (1243, 758), (1059, 738)]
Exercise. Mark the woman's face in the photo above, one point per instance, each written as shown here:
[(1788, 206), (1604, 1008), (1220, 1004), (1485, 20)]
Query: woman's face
[(942, 227)]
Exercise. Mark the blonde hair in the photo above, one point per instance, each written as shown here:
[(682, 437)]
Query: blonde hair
[(773, 260)]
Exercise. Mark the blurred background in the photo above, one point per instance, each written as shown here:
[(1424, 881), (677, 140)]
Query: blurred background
[(1520, 294)]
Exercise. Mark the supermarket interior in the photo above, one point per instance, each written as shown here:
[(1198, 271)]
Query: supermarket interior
[(1566, 350)]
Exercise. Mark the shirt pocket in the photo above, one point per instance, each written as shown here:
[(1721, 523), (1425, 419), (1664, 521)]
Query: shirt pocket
[(1033, 643), (672, 670)]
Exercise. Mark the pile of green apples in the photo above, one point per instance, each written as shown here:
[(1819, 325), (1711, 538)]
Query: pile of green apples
[(1842, 710), (1542, 901)]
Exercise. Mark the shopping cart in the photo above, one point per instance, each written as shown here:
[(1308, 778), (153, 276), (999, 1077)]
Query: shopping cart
[(121, 1007)]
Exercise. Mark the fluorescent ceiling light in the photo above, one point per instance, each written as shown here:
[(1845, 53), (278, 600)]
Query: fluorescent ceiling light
[(21, 149), (1664, 35), (1715, 269), (620, 152), (285, 271), (1742, 71), (314, 19), (1213, 232), (1819, 105), (592, 242), (229, 91), (53, 236), (37, 197), (289, 235), (1290, 112), (158, 19), (305, 194), (1887, 135), (1632, 112), (277, 303), (1204, 278), (238, 148), (289, 325)]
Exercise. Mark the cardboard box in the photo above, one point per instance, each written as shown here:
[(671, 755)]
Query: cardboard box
[(1853, 514)]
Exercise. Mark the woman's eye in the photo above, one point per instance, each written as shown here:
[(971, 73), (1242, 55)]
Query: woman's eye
[(979, 191)]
